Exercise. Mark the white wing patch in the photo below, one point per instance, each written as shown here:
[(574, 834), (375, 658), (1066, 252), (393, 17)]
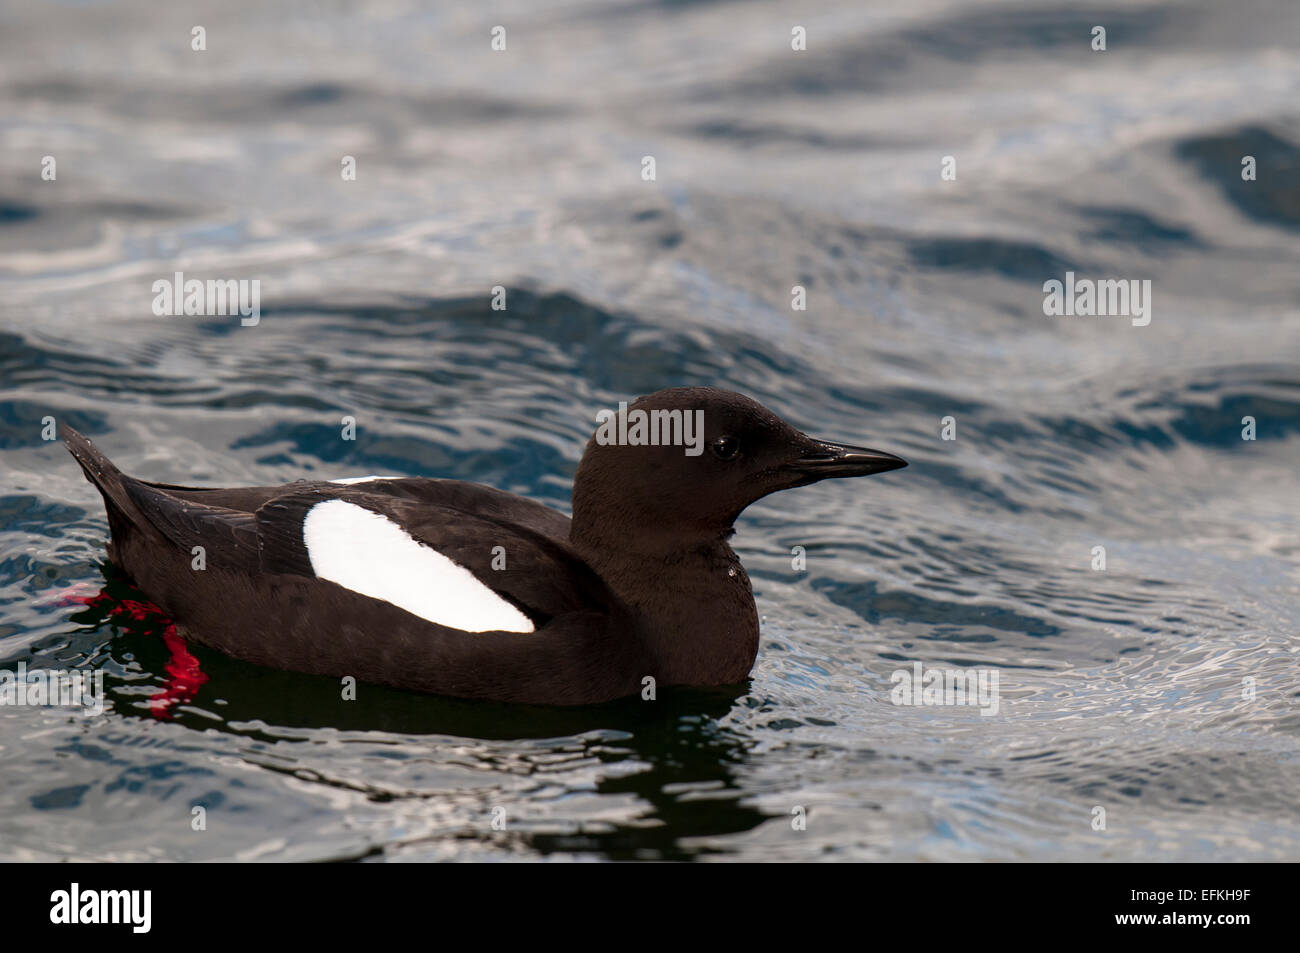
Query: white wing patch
[(370, 554), (348, 481)]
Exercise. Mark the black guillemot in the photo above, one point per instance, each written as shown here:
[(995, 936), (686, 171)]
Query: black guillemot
[(460, 589)]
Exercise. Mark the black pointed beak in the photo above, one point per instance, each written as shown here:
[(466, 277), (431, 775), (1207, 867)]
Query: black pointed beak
[(821, 461)]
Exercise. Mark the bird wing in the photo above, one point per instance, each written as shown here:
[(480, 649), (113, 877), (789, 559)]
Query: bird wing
[(397, 545)]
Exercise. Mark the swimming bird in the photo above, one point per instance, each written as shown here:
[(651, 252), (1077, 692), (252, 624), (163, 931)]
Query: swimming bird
[(460, 589)]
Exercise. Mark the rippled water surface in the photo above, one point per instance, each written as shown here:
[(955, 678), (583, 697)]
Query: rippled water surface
[(1120, 689)]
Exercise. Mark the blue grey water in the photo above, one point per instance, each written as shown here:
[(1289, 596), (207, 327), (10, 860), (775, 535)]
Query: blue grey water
[(1128, 689)]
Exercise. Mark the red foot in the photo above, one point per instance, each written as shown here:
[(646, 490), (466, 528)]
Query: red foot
[(184, 674)]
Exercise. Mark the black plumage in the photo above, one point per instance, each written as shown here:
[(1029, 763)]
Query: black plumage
[(641, 583)]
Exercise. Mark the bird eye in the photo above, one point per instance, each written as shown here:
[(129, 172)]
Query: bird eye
[(725, 448)]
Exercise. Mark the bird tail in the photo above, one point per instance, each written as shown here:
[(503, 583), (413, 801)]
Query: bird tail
[(106, 478)]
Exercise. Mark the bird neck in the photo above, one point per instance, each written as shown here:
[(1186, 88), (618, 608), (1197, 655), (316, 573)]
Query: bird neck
[(691, 596)]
